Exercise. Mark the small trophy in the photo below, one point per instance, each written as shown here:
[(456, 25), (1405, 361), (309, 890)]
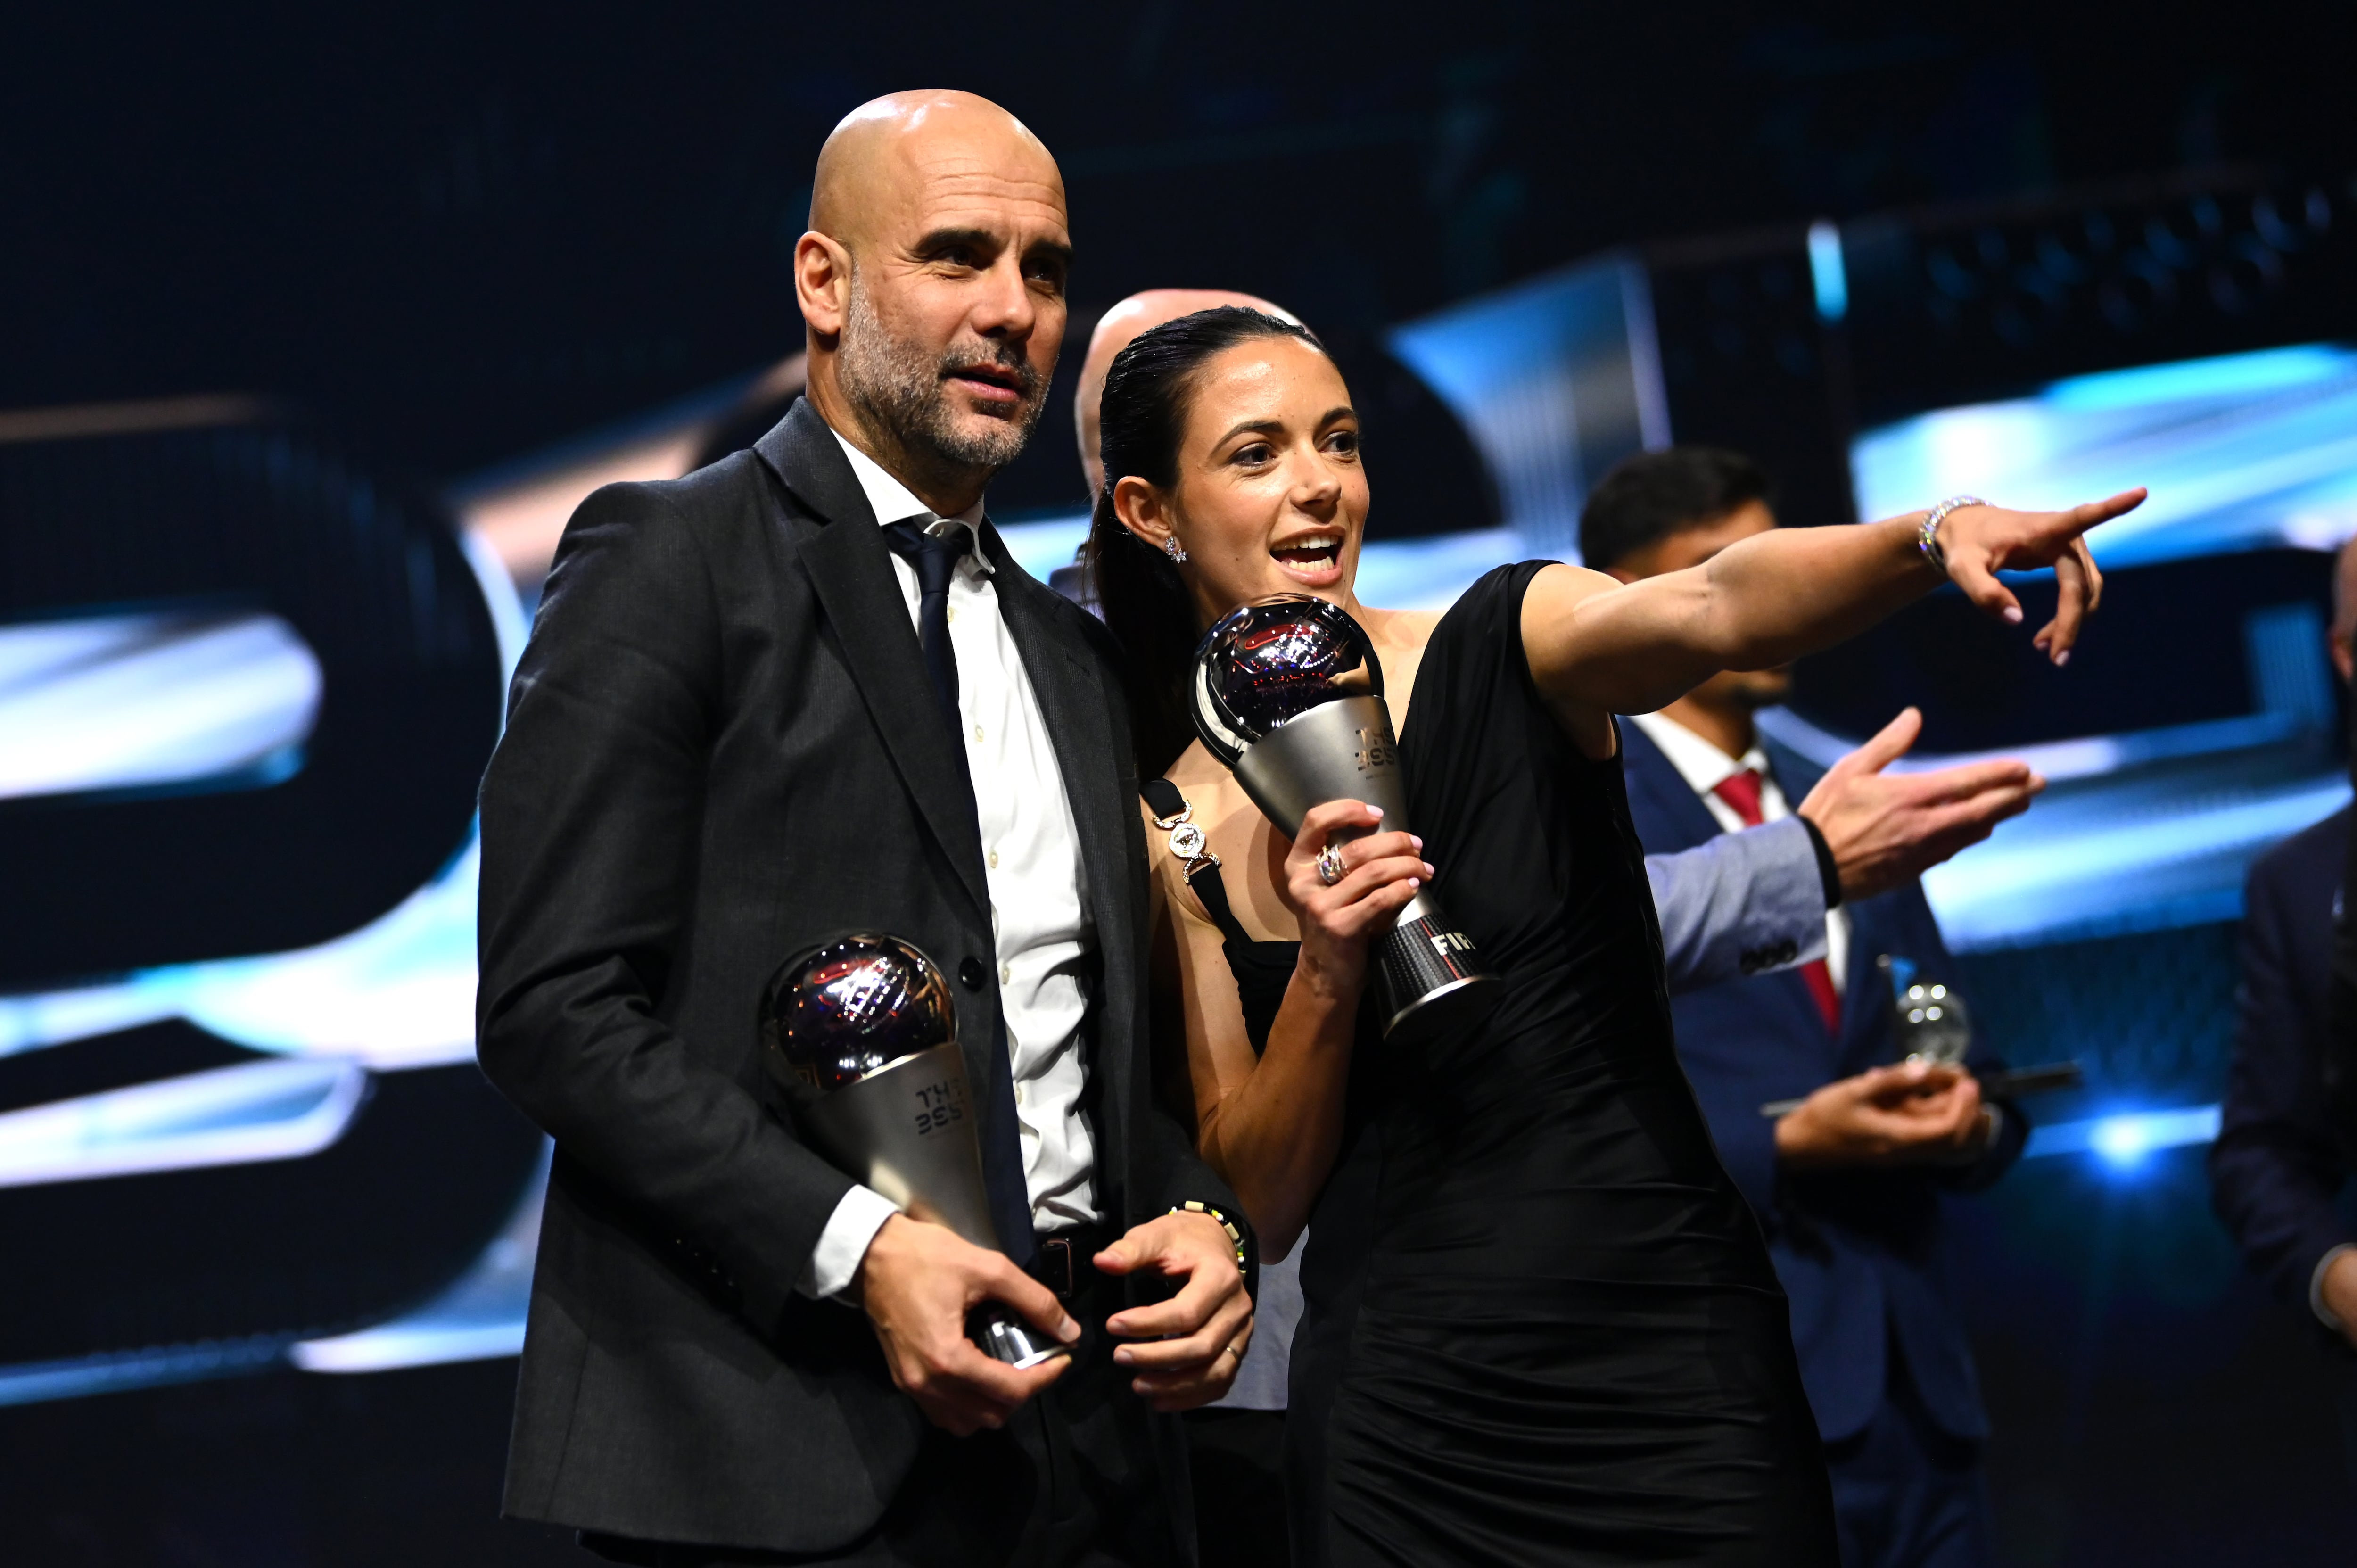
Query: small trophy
[(861, 1033), (1932, 1024), (1289, 695)]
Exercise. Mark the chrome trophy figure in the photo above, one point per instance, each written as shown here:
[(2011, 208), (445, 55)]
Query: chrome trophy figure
[(1289, 695), (861, 1033)]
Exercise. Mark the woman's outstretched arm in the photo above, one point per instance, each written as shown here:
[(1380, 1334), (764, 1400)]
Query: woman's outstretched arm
[(1597, 646)]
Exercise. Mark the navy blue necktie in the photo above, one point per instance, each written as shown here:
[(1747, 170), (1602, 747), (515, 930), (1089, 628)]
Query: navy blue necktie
[(935, 560)]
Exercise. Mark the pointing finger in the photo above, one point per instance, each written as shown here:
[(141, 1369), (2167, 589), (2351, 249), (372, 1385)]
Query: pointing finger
[(1890, 743)]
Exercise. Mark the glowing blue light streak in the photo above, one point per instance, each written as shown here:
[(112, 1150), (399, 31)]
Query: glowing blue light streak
[(1827, 273), (35, 1383), (2125, 1139), (2109, 861), (2241, 452), (479, 1316), (152, 700), (397, 993), (2187, 380), (236, 1115)]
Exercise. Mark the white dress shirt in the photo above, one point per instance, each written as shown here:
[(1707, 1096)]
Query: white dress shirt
[(1705, 767), (1039, 912)]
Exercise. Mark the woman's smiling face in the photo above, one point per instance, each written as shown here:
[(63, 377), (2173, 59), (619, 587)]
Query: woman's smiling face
[(1271, 497)]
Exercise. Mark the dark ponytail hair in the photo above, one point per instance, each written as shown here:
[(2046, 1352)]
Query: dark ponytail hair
[(1147, 394)]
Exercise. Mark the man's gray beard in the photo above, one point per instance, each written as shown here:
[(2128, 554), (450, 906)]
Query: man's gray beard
[(900, 388)]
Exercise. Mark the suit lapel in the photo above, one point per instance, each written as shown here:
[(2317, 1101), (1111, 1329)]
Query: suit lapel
[(1689, 820), (851, 569), (1072, 705)]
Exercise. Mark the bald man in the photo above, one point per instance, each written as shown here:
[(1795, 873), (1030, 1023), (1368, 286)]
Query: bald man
[(805, 691)]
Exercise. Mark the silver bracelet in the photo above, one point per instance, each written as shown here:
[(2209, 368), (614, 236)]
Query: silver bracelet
[(1927, 538)]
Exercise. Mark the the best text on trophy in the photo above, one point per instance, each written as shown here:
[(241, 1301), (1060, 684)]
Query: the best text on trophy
[(861, 1033)]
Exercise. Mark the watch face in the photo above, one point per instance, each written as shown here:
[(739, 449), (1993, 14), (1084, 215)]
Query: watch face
[(1186, 840), (1270, 661), (852, 1007)]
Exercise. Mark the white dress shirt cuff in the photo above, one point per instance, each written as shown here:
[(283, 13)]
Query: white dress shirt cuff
[(2316, 1288), (833, 1263)]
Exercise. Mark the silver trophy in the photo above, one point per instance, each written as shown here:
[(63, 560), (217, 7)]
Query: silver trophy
[(861, 1033), (1933, 1025), (1289, 695)]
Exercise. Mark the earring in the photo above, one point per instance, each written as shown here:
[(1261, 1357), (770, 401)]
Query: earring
[(1172, 548)]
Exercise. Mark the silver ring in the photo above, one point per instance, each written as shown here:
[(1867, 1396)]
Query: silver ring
[(1329, 865), (1231, 1350)]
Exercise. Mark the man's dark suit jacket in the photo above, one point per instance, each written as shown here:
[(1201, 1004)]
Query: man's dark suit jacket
[(721, 747), (2276, 1171), (1860, 1253)]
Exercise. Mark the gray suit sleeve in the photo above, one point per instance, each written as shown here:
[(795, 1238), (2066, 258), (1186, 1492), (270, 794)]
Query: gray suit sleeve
[(1742, 903)]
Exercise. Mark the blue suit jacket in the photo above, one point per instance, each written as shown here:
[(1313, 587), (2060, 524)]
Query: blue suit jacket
[(2276, 1169), (1861, 1253)]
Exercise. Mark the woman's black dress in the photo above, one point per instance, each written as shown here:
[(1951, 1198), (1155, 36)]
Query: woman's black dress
[(1542, 1326)]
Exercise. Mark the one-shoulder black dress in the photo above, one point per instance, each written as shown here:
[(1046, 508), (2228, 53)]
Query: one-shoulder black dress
[(1542, 1326)]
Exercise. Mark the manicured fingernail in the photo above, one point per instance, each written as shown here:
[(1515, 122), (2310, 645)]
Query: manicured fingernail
[(2012, 614), (1068, 1331), (1376, 809), (1428, 869), (1415, 840), (2063, 658), (1124, 1356), (1416, 882)]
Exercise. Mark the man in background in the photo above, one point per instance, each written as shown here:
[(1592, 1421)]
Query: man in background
[(2280, 1170), (1849, 1186), (1746, 903)]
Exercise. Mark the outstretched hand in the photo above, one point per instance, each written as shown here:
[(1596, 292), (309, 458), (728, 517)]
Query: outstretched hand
[(1885, 829), (1982, 540)]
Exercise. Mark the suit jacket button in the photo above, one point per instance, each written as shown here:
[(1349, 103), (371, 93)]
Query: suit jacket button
[(969, 974)]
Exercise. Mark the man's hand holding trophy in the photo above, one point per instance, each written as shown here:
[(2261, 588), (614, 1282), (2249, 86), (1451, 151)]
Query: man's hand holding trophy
[(861, 1035)]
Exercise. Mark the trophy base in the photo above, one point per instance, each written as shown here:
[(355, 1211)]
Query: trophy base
[(1458, 1005), (1010, 1339), (1428, 979)]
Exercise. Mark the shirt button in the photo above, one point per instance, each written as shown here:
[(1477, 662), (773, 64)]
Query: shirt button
[(1018, 1094), (977, 734), (952, 614), (1005, 974), (994, 860)]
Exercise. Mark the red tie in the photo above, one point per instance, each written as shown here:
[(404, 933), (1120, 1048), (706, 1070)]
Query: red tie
[(1741, 791)]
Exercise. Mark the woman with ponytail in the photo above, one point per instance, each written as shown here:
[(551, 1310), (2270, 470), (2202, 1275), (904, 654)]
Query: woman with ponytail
[(1542, 1326)]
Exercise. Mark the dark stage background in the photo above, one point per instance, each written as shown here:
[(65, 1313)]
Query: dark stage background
[(386, 283)]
